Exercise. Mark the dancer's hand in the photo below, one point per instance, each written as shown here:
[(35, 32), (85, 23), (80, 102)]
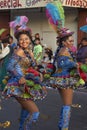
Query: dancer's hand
[(22, 80)]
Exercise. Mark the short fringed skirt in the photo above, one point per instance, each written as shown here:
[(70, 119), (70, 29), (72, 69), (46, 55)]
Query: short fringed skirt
[(64, 82), (32, 90)]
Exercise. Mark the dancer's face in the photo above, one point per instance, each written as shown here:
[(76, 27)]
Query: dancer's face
[(69, 42), (24, 41)]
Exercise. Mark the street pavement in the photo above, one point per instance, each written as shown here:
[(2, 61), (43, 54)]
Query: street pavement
[(49, 112)]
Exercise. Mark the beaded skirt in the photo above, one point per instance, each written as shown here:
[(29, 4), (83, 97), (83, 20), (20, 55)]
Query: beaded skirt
[(32, 89)]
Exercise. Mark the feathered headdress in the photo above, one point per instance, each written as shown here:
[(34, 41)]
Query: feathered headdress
[(56, 18), (84, 28), (19, 25), (55, 15)]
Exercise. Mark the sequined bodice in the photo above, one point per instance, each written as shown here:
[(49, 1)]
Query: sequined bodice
[(24, 63), (65, 62), (18, 65)]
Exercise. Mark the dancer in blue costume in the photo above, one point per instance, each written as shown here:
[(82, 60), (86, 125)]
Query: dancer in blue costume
[(63, 79), (25, 82), (66, 77)]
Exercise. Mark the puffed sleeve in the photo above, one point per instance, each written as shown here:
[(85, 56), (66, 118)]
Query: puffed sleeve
[(66, 62), (14, 68)]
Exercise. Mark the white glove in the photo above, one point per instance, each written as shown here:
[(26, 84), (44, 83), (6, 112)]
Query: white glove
[(4, 51)]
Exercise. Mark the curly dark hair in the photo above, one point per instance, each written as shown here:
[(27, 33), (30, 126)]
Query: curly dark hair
[(17, 34)]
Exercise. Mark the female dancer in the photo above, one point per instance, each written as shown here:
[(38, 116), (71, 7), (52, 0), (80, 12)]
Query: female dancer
[(25, 82), (63, 78)]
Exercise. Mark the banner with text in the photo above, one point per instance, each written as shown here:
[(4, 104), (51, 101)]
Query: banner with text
[(75, 3), (17, 4)]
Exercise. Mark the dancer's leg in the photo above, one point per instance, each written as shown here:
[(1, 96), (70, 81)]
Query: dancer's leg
[(23, 115), (33, 113), (31, 118), (67, 95)]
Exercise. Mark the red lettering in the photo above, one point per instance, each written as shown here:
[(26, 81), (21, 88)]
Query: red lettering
[(14, 3), (19, 5), (5, 3), (71, 2), (9, 3), (1, 4), (77, 3), (74, 3), (85, 4), (68, 2), (80, 3)]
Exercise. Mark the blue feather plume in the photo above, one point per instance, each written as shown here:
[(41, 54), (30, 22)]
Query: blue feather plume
[(55, 15)]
